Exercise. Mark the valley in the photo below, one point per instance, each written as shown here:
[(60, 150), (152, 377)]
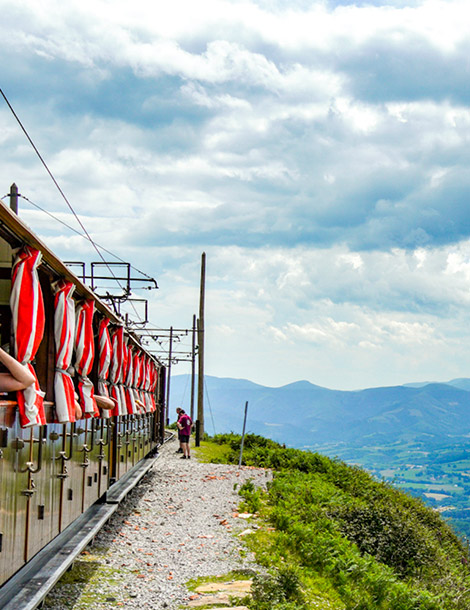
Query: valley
[(439, 474), (415, 436)]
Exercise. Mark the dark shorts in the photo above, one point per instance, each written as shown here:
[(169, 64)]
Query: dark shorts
[(184, 438)]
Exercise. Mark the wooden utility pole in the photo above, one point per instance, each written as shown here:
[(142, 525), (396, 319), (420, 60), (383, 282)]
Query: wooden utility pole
[(168, 378), (14, 198), (200, 337), (193, 367)]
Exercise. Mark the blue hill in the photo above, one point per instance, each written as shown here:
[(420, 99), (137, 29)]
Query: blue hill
[(303, 414)]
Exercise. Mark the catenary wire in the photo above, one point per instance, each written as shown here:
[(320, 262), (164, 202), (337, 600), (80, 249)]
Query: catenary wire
[(64, 197), (61, 191), (86, 234), (209, 403), (184, 390), (80, 234), (148, 333), (51, 175)]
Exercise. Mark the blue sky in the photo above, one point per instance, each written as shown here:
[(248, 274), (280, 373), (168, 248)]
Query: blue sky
[(317, 152)]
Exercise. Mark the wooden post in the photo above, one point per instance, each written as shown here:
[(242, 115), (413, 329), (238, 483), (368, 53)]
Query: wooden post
[(243, 436), (200, 336), (193, 367), (14, 198), (168, 378)]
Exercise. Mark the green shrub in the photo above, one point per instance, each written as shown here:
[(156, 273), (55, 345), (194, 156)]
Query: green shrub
[(281, 590), (376, 547), (384, 531), (252, 496)]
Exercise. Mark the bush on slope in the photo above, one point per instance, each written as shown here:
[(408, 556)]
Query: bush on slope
[(373, 546)]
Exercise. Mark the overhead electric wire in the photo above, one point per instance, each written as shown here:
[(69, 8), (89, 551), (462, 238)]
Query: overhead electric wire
[(85, 233), (61, 191), (64, 197), (80, 234), (209, 403), (184, 390)]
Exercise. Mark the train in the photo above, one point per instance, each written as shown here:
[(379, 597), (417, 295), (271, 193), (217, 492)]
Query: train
[(60, 452)]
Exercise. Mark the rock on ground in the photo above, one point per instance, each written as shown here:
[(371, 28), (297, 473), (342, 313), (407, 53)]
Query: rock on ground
[(178, 524)]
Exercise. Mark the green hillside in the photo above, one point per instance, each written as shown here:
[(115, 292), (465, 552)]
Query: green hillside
[(416, 437), (334, 537)]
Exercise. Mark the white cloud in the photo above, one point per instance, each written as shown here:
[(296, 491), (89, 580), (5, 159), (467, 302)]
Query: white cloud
[(352, 258), (318, 155)]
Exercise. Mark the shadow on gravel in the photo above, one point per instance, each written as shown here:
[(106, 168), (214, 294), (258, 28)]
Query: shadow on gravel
[(71, 590)]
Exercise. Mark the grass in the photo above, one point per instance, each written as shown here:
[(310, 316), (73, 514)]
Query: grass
[(272, 554), (210, 452), (442, 468), (230, 576), (77, 588), (333, 533)]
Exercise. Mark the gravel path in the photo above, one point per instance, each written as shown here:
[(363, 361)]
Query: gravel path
[(179, 523)]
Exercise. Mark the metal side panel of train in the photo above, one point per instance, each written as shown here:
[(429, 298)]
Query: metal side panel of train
[(50, 475)]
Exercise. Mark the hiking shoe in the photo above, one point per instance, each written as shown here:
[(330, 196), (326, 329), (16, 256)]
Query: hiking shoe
[(179, 450), (183, 457)]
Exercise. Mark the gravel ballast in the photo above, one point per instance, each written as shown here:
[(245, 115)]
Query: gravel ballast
[(178, 524)]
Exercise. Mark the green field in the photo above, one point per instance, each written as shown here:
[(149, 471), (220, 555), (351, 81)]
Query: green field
[(439, 474)]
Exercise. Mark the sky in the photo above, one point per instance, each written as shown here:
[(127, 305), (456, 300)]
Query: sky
[(316, 151)]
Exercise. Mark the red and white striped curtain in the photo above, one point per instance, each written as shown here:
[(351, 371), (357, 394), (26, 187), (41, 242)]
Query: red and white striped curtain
[(116, 371), (153, 384), (136, 379), (143, 382), (146, 383), (84, 355), (129, 380), (104, 362), (27, 307), (122, 381), (64, 330)]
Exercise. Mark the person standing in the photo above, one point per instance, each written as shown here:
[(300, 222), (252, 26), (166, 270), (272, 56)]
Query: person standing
[(178, 412), (184, 424)]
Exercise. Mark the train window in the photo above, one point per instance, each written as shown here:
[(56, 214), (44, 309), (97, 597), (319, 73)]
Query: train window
[(45, 356)]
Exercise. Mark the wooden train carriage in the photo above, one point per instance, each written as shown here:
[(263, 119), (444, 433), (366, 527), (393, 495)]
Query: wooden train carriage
[(53, 468)]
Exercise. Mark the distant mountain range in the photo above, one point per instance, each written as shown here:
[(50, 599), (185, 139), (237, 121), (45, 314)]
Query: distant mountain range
[(302, 414)]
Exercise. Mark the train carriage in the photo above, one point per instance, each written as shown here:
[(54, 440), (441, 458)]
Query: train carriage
[(54, 465)]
